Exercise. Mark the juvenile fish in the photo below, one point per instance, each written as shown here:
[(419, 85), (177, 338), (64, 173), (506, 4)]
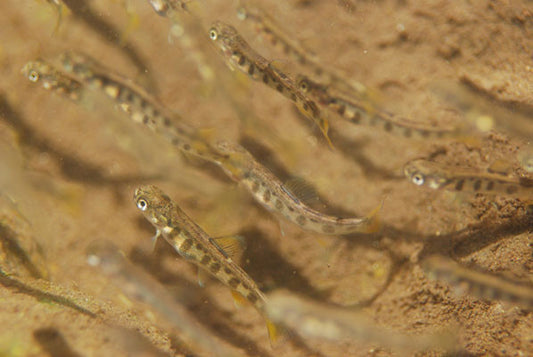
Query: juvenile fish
[(279, 38), (268, 190), (362, 112), (84, 13), (315, 319), (238, 54), (482, 285), (18, 246), (39, 71), (196, 246), (422, 172), (140, 106), (137, 284)]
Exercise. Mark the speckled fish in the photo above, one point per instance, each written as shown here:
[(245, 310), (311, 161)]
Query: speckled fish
[(482, 285), (39, 71), (196, 246), (361, 112), (422, 172), (268, 190), (140, 106), (279, 38), (238, 54)]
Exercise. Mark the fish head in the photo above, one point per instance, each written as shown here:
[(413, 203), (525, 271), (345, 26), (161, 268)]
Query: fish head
[(39, 71), (154, 204), (422, 172), (224, 37)]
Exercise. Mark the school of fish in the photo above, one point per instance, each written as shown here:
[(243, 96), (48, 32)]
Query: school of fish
[(320, 92)]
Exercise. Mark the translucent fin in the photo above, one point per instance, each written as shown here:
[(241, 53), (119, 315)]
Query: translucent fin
[(231, 246), (304, 191), (525, 157), (273, 333), (469, 140), (62, 10), (207, 134), (374, 219), (195, 8), (325, 128), (277, 334), (501, 167), (154, 239), (281, 227), (323, 125), (238, 299), (132, 25), (202, 277), (279, 65)]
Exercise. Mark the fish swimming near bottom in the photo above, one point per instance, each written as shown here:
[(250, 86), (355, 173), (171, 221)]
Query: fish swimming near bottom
[(267, 189), (213, 255), (427, 173)]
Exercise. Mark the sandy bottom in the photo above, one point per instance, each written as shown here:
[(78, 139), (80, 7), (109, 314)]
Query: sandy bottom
[(68, 172)]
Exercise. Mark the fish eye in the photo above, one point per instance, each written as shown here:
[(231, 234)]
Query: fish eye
[(213, 34), (418, 179), (304, 85), (33, 76), (142, 204)]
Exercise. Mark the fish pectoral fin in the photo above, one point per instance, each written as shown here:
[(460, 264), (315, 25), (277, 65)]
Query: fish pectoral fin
[(233, 246), (154, 239), (202, 277), (238, 299)]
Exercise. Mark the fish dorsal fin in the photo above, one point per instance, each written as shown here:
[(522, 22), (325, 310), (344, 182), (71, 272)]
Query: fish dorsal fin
[(231, 246), (207, 134), (304, 191), (279, 65), (500, 167)]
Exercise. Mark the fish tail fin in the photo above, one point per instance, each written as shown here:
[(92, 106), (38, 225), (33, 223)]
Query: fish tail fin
[(277, 333), (374, 219)]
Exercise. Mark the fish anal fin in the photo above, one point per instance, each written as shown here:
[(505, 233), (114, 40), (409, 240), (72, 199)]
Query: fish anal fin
[(238, 299), (233, 246)]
